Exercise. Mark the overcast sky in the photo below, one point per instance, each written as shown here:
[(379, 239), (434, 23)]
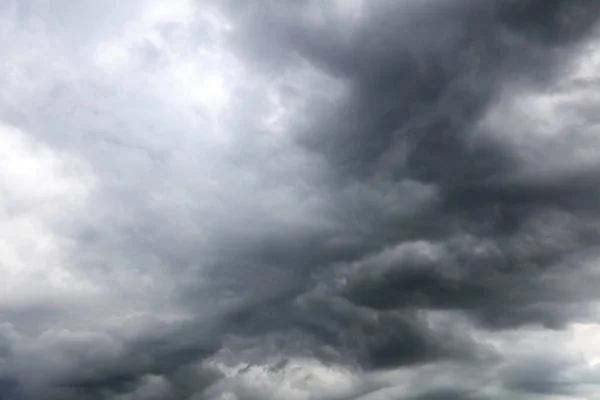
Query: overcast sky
[(299, 200)]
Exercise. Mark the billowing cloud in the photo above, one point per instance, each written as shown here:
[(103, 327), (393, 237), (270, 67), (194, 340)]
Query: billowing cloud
[(317, 199)]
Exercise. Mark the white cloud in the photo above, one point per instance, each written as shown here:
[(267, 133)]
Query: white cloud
[(39, 190), (295, 379), (555, 128)]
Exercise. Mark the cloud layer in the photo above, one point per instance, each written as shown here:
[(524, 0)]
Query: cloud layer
[(299, 200)]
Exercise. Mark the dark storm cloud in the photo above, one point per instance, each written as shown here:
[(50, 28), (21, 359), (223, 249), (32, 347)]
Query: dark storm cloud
[(428, 98), (8, 388), (417, 87), (396, 204), (548, 376), (449, 394), (373, 339), (507, 280), (159, 354)]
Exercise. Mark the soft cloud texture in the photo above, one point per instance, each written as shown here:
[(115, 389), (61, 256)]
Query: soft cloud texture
[(336, 199)]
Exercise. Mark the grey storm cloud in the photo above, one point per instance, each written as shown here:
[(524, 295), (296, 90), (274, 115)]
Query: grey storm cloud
[(335, 199)]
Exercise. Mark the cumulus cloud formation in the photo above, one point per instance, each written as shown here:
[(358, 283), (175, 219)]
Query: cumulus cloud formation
[(316, 199)]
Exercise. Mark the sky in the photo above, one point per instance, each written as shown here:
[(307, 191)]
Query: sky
[(299, 200)]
